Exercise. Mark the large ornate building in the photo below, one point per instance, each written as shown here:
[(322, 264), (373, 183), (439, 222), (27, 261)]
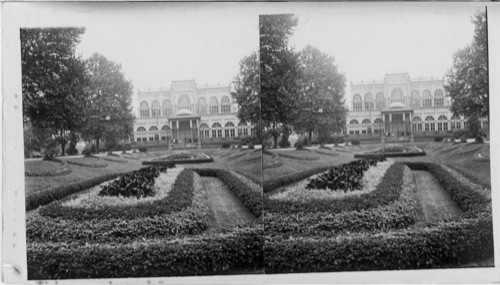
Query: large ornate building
[(187, 115), (400, 108)]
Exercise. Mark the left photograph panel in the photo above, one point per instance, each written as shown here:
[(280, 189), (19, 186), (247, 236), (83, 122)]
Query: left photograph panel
[(141, 155)]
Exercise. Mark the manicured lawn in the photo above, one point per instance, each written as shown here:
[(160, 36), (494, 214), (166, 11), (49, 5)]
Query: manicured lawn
[(36, 166)]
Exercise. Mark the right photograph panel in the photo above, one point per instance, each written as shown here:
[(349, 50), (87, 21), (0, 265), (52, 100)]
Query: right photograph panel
[(376, 151)]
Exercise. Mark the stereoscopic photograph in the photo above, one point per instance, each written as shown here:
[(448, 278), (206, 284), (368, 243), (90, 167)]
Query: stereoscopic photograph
[(247, 141)]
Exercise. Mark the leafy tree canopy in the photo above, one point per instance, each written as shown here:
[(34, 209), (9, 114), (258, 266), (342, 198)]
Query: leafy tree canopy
[(247, 86)]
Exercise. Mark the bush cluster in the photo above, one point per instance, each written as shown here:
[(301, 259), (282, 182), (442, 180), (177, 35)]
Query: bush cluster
[(180, 197), (226, 145), (388, 190), (143, 149), (199, 255), (138, 183), (388, 154), (347, 176), (438, 139), (355, 142), (206, 159), (251, 199)]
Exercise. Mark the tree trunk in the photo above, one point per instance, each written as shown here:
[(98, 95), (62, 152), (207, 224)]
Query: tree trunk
[(275, 137), (63, 146), (97, 145), (310, 138)]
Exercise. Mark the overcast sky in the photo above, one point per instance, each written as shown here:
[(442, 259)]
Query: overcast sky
[(368, 41)]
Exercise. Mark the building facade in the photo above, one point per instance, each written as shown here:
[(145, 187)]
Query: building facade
[(187, 115), (400, 108)]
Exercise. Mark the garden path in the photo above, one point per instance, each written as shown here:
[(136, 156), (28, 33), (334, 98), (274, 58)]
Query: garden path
[(436, 203), (226, 209)]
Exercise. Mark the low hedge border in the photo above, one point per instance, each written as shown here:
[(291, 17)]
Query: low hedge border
[(441, 245), (387, 191), (91, 165), (466, 198), (192, 220), (64, 170), (250, 198), (36, 199), (296, 157), (179, 198), (397, 215), (254, 180), (179, 161), (209, 254), (393, 154)]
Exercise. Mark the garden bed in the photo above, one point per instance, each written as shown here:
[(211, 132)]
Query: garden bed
[(395, 150), (46, 168), (180, 157), (91, 161)]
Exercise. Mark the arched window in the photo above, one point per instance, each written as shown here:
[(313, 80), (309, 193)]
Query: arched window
[(214, 105), (442, 123), (202, 106), (357, 105), (225, 105), (153, 128), (417, 124), (141, 129), (378, 121), (397, 95), (353, 122), (155, 109), (165, 128), (229, 130), (380, 100), (204, 130), (183, 102), (427, 101), (167, 108), (216, 130), (144, 109), (368, 101), (438, 100), (242, 129), (429, 123), (366, 122)]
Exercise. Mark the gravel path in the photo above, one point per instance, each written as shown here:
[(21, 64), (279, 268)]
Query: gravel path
[(436, 203), (226, 208)]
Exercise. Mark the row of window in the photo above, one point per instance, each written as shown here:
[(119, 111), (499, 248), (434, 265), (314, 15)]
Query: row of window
[(184, 100), (397, 93), (414, 103), (419, 127), (202, 110), (415, 119), (214, 133), (202, 126)]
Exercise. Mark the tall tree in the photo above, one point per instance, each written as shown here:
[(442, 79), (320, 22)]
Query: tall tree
[(53, 80), (322, 94), (246, 89), (108, 111), (279, 71), (467, 80)]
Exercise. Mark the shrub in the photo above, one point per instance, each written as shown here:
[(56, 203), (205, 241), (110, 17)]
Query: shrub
[(89, 149), (226, 145), (355, 142), (299, 145), (143, 149), (438, 139), (479, 139), (285, 134)]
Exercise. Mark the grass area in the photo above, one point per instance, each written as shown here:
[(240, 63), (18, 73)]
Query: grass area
[(36, 166), (298, 154)]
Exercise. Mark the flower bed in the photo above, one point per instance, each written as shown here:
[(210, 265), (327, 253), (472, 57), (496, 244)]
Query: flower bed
[(179, 158), (270, 160), (91, 161), (54, 167), (395, 150), (383, 237)]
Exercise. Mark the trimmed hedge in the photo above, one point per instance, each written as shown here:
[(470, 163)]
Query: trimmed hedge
[(179, 161), (393, 154), (441, 245), (250, 198), (180, 197), (400, 214), (275, 183), (36, 199), (208, 254), (387, 191)]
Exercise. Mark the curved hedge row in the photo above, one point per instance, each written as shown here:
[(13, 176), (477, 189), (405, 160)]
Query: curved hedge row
[(179, 161), (399, 214), (207, 254), (250, 198), (36, 199), (387, 191), (275, 183), (180, 197)]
